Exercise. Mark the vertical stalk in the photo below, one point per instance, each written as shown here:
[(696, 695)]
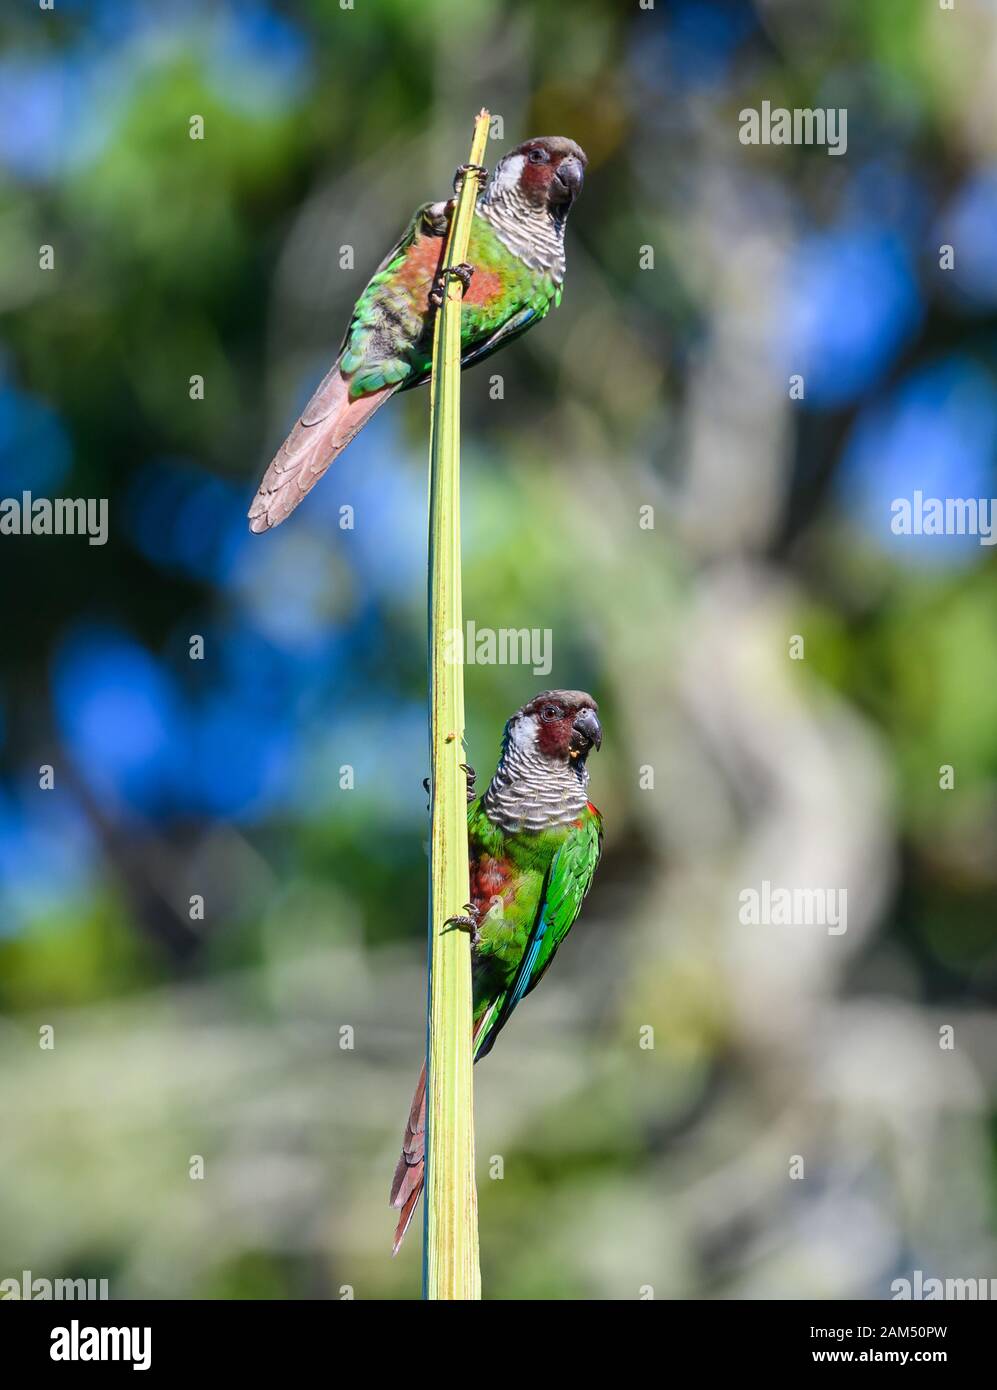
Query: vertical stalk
[(451, 1230)]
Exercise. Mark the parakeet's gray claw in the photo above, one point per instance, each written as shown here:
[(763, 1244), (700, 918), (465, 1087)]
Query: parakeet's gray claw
[(472, 777), (463, 169), (462, 272), (469, 921)]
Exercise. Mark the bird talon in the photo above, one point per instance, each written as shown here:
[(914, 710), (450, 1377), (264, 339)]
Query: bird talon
[(438, 292), (463, 169), (468, 921), (471, 779), (462, 272)]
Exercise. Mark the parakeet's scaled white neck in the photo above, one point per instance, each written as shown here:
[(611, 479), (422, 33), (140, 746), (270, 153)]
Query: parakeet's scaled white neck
[(529, 792), (526, 230)]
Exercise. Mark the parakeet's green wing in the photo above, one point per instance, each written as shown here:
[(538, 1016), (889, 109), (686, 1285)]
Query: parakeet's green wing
[(431, 219), (568, 881)]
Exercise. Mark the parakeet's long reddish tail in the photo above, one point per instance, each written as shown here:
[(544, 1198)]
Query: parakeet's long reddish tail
[(330, 420), (410, 1170), (406, 1187)]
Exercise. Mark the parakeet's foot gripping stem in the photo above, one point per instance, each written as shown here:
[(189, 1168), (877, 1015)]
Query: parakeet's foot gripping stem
[(472, 778), (464, 169), (468, 923), (462, 272)]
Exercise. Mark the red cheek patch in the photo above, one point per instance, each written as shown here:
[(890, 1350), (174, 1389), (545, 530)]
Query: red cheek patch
[(535, 180), (554, 738)]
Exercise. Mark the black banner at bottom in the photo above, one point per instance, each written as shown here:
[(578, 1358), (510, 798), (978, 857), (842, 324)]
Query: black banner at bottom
[(171, 1339)]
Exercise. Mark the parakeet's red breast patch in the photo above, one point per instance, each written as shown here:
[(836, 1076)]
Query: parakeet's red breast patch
[(423, 262), (485, 286), (489, 878)]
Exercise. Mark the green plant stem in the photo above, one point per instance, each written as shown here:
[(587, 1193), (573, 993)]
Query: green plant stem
[(451, 1230)]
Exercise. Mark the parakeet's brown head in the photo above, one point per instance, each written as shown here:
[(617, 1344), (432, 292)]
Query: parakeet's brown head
[(562, 726), (547, 171), (541, 780)]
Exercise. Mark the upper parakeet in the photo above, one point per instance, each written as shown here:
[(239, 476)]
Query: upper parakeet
[(516, 255), (534, 841)]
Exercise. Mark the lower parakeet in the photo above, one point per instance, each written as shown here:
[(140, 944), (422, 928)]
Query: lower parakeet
[(534, 841)]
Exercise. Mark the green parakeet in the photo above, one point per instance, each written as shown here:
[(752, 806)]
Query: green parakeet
[(516, 258), (534, 840)]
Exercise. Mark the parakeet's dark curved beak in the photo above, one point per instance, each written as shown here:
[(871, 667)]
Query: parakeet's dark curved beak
[(567, 181), (587, 730)]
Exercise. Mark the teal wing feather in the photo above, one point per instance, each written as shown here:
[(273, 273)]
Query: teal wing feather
[(568, 880)]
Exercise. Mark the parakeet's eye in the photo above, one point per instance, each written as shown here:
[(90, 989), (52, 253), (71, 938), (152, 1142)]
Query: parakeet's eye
[(537, 156), (550, 712)]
